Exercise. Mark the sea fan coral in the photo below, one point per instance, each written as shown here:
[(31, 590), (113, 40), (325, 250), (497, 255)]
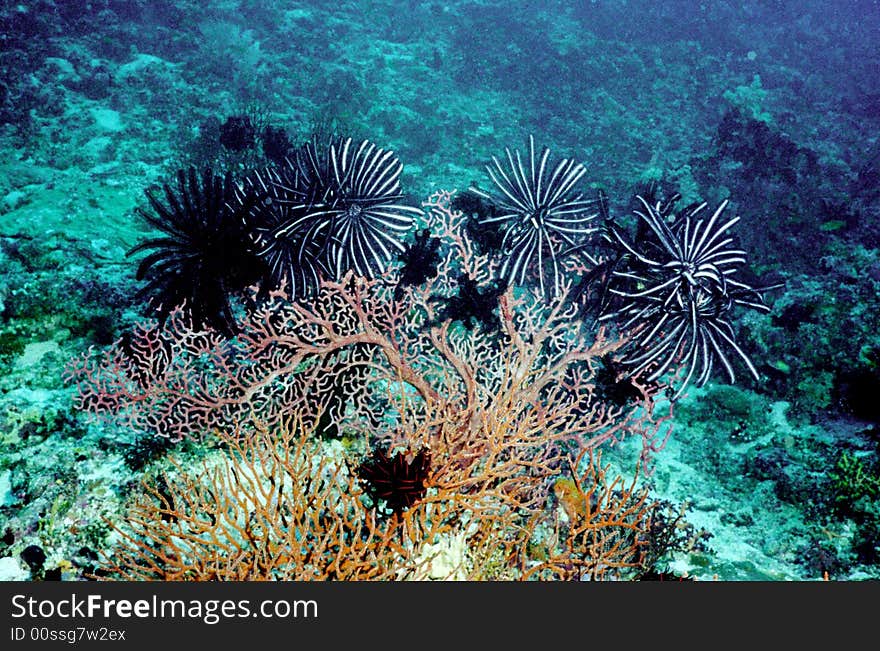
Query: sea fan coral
[(474, 430)]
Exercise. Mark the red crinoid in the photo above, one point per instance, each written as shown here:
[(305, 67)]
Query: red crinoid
[(394, 479)]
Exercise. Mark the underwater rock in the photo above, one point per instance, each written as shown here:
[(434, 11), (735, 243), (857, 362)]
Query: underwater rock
[(65, 71), (7, 498), (11, 570), (107, 120), (134, 70), (13, 200), (34, 352)]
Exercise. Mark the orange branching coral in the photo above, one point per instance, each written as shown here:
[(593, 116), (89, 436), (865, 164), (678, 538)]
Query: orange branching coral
[(278, 506), (503, 414), (600, 527)]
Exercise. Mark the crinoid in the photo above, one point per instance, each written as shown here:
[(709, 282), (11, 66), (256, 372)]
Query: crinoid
[(203, 257), (472, 305), (238, 133), (420, 261), (329, 208), (356, 204), (676, 291), (394, 479), (279, 218), (543, 214)]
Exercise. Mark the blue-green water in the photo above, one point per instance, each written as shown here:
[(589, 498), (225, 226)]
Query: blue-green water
[(771, 105)]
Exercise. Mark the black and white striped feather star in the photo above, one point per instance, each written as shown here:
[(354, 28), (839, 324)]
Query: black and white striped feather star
[(356, 204), (543, 215), (676, 291), (330, 208), (275, 207)]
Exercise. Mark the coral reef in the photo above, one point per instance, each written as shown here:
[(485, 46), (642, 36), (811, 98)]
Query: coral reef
[(101, 100), (490, 422)]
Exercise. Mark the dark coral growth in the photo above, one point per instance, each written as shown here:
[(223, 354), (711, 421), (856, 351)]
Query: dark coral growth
[(763, 152), (795, 315), (144, 449), (613, 385), (276, 144), (420, 260), (395, 479), (820, 559), (204, 255), (867, 181), (773, 175), (669, 533), (6, 541), (34, 557), (472, 306), (867, 543), (484, 231), (857, 390), (238, 133)]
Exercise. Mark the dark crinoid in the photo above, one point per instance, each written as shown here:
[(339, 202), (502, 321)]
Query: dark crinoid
[(238, 133), (276, 144), (395, 479), (420, 260), (472, 305), (356, 210), (543, 214), (676, 291), (204, 255), (486, 235)]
